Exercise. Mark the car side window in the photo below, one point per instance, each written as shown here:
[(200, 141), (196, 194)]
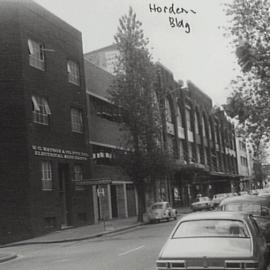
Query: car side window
[(255, 225)]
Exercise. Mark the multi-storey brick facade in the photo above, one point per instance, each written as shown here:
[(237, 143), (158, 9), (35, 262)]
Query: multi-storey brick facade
[(43, 139), (200, 139)]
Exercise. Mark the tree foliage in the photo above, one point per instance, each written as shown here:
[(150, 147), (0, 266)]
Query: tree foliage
[(133, 91), (250, 98)]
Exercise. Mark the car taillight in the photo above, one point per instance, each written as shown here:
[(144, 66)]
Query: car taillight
[(231, 265)]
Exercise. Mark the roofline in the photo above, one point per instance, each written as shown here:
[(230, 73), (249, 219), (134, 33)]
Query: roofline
[(101, 49)]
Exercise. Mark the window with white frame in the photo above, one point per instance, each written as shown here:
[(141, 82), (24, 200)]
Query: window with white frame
[(36, 54), (73, 72), (41, 110), (46, 175), (76, 120)]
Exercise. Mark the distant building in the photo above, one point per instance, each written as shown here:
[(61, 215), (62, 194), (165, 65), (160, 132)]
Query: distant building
[(200, 139), (44, 131), (104, 58), (245, 163)]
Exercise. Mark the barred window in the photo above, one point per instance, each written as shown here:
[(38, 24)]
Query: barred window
[(46, 179), (76, 120), (73, 72), (41, 110), (36, 54)]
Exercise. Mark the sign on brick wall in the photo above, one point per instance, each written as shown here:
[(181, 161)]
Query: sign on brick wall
[(59, 153)]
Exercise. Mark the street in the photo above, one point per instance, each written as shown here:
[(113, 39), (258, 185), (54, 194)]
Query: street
[(135, 249)]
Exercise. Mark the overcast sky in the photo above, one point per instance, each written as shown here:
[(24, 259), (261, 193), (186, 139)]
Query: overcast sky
[(203, 55)]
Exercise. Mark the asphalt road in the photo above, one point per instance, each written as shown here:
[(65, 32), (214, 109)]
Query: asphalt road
[(136, 249)]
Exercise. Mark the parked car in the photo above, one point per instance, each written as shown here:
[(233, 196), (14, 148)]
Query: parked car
[(214, 240), (202, 203), (160, 211), (217, 198), (258, 206)]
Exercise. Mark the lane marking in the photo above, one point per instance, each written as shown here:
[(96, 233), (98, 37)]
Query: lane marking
[(131, 250)]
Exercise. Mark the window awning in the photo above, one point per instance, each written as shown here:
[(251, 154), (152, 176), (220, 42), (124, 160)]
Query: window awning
[(95, 181)]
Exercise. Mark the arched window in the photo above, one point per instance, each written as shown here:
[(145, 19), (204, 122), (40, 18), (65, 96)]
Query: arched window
[(179, 117), (168, 111), (203, 127), (210, 130), (196, 116), (188, 118)]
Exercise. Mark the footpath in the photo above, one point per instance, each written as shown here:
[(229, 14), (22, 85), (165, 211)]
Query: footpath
[(73, 234)]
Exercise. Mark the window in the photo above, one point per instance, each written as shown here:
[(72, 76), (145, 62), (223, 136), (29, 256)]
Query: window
[(76, 120), (210, 131), (77, 173), (73, 72), (203, 127), (78, 176), (36, 54), (212, 228), (179, 117), (196, 116), (105, 109), (46, 179), (168, 111), (188, 118), (41, 110)]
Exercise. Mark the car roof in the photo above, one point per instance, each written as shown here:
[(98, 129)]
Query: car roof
[(215, 215), (244, 198)]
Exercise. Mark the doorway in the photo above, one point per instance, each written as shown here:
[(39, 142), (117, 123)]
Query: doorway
[(114, 201), (64, 189)]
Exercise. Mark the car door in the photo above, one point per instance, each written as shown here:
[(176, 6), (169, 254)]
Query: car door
[(260, 242)]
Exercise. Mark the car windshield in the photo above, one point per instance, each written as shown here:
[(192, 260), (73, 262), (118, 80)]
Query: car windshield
[(212, 228), (249, 207), (157, 206)]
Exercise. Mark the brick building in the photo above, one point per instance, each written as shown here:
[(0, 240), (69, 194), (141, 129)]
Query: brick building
[(43, 139), (199, 138), (119, 198)]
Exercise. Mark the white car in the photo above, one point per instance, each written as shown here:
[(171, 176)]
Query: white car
[(202, 203), (214, 240), (161, 211)]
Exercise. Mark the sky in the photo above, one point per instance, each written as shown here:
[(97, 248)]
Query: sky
[(196, 50)]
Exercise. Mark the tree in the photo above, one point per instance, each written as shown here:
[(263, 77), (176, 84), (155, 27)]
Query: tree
[(250, 99), (133, 92)]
